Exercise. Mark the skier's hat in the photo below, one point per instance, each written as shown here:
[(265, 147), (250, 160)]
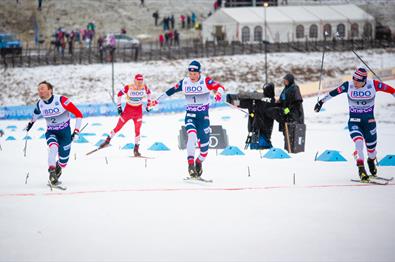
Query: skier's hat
[(360, 75), (139, 77), (194, 66)]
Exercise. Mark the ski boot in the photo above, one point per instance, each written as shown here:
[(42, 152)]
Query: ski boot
[(106, 142), (362, 172), (136, 150), (53, 178), (58, 170), (192, 170), (372, 167), (198, 168)]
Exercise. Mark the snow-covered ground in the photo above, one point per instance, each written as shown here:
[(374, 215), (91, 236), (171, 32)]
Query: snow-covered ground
[(92, 83), (119, 208)]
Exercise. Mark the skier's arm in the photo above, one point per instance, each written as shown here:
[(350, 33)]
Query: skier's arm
[(383, 87), (69, 106), (148, 92), (337, 91), (36, 113), (176, 88), (35, 116), (215, 86), (121, 92)]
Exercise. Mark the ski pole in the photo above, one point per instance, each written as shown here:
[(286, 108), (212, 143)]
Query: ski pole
[(352, 50), (25, 148), (82, 129), (371, 70), (322, 67)]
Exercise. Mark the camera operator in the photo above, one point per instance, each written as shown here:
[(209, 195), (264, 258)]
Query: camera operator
[(260, 126)]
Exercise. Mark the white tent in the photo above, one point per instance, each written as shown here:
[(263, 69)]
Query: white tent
[(288, 23)]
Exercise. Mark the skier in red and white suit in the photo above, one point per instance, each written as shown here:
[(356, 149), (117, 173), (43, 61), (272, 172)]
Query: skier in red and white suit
[(134, 93)]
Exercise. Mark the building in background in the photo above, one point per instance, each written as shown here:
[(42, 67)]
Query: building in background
[(288, 23)]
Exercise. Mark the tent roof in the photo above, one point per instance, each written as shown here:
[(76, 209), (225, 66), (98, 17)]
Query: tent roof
[(352, 12), (290, 14), (298, 14)]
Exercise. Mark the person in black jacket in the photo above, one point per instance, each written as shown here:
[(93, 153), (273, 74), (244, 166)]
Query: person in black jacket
[(289, 108), (260, 126)]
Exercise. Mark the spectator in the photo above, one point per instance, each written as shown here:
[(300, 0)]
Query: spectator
[(40, 2), (155, 15), (161, 40), (123, 31), (182, 20), (193, 19), (176, 38), (100, 44), (188, 21), (142, 3), (70, 40), (167, 38), (172, 21), (216, 5), (170, 36)]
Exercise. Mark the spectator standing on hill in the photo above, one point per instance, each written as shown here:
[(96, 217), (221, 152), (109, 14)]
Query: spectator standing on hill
[(155, 15), (161, 40), (182, 20)]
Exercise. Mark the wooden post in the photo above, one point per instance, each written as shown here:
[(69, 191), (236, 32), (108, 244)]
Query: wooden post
[(287, 137)]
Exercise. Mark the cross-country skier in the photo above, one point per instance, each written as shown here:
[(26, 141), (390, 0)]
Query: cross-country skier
[(135, 93), (361, 93), (56, 110), (196, 88)]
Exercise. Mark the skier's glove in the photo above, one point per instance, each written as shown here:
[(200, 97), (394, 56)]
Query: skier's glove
[(218, 96), (75, 133), (119, 109), (318, 106), (152, 103), (29, 126), (286, 111)]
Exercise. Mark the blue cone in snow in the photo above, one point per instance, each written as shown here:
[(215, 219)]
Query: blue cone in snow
[(96, 124), (225, 118), (276, 153), (105, 134), (331, 156), (87, 134), (128, 146), (40, 129), (232, 151), (11, 127), (121, 135), (158, 146), (42, 136), (27, 138), (10, 138), (81, 139), (388, 160)]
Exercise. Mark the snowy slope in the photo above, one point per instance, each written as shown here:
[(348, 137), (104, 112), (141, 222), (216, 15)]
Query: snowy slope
[(93, 83), (130, 209)]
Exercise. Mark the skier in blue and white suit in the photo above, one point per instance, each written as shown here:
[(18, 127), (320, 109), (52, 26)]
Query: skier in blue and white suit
[(56, 109), (196, 88), (361, 94)]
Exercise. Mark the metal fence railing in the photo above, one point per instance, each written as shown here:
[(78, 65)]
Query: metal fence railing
[(151, 51)]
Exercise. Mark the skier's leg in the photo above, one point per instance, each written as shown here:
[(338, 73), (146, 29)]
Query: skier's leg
[(122, 120), (64, 147), (191, 143), (204, 141), (137, 126), (53, 147), (370, 134), (356, 135)]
